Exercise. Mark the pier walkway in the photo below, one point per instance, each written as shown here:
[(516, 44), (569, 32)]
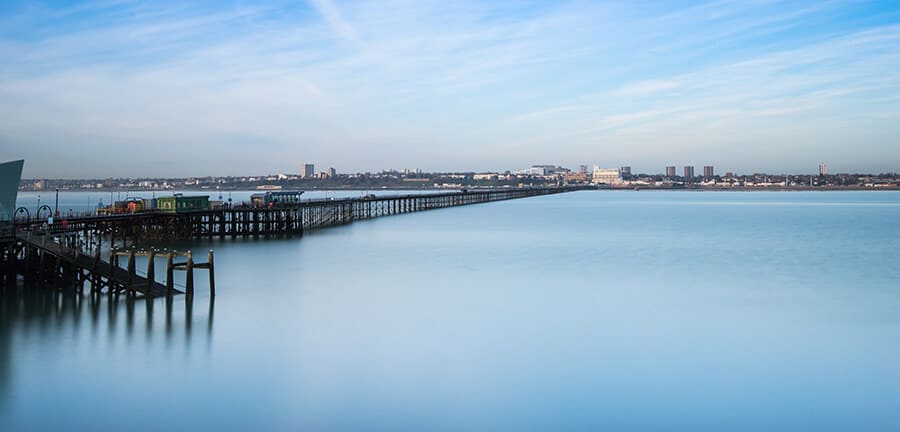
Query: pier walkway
[(54, 262), (294, 219), (68, 252)]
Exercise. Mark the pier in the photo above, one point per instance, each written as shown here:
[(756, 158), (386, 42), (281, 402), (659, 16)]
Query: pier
[(57, 261), (68, 253), (245, 221)]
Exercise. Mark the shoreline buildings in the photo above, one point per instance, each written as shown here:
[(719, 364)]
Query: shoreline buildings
[(607, 176), (309, 171)]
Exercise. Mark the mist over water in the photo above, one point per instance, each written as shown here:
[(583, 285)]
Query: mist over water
[(591, 310)]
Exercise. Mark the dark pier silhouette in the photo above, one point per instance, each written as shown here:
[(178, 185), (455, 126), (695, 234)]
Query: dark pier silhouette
[(68, 252)]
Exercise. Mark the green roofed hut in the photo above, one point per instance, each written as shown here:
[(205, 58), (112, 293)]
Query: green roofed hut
[(182, 204)]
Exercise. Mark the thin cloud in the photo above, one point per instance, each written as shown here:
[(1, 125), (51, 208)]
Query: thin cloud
[(643, 88), (335, 20), (463, 83)]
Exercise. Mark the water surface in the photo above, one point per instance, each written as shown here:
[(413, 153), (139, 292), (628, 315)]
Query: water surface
[(582, 311)]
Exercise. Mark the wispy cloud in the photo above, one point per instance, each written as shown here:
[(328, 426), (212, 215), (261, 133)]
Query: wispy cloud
[(446, 85), (335, 20), (644, 88)]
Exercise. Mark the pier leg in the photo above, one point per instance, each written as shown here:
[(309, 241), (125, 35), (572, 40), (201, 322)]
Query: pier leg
[(189, 277), (151, 270), (55, 273), (42, 266), (94, 277), (131, 273), (212, 275), (170, 283)]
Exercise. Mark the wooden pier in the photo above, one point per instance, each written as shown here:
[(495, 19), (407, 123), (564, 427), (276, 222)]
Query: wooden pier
[(53, 261), (243, 221), (68, 252)]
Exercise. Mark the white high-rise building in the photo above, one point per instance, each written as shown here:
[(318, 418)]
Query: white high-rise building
[(823, 169), (610, 176)]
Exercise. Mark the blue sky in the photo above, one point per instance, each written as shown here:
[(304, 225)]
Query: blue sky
[(122, 88)]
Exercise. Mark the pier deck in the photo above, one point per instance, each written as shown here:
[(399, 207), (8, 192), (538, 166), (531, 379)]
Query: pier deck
[(65, 262), (68, 250), (293, 219)]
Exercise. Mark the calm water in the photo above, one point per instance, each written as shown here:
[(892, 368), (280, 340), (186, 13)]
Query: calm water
[(590, 310)]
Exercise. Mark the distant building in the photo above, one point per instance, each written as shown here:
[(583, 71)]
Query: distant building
[(309, 171), (688, 171), (537, 170), (708, 171), (576, 178), (670, 171), (609, 176), (823, 169), (331, 172), (582, 169), (625, 171), (485, 176)]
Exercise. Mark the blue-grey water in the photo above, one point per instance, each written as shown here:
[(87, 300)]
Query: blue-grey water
[(593, 310)]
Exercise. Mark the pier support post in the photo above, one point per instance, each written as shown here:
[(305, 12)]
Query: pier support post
[(151, 270), (212, 275), (170, 283), (189, 277), (94, 276), (42, 266), (112, 261), (131, 273)]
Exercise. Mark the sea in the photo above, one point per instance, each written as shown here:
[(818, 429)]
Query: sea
[(590, 310)]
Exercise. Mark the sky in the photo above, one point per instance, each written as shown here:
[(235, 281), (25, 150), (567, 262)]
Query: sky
[(144, 89)]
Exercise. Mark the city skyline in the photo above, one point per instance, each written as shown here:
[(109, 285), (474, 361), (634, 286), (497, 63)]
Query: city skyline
[(308, 171), (128, 89)]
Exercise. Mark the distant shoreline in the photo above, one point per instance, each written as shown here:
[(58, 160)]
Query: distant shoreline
[(757, 189), (374, 189)]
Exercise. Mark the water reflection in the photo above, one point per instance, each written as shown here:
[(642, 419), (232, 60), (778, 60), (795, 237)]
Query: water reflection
[(36, 316)]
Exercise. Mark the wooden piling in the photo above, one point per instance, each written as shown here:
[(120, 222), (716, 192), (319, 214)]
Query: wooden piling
[(189, 277), (131, 272), (170, 283), (42, 265), (95, 278), (212, 276), (112, 261), (151, 269)]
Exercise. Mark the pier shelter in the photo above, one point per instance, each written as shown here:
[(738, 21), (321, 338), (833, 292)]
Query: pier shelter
[(182, 204)]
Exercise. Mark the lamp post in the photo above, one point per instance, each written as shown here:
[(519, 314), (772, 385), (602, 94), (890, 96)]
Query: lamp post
[(38, 207), (56, 205)]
